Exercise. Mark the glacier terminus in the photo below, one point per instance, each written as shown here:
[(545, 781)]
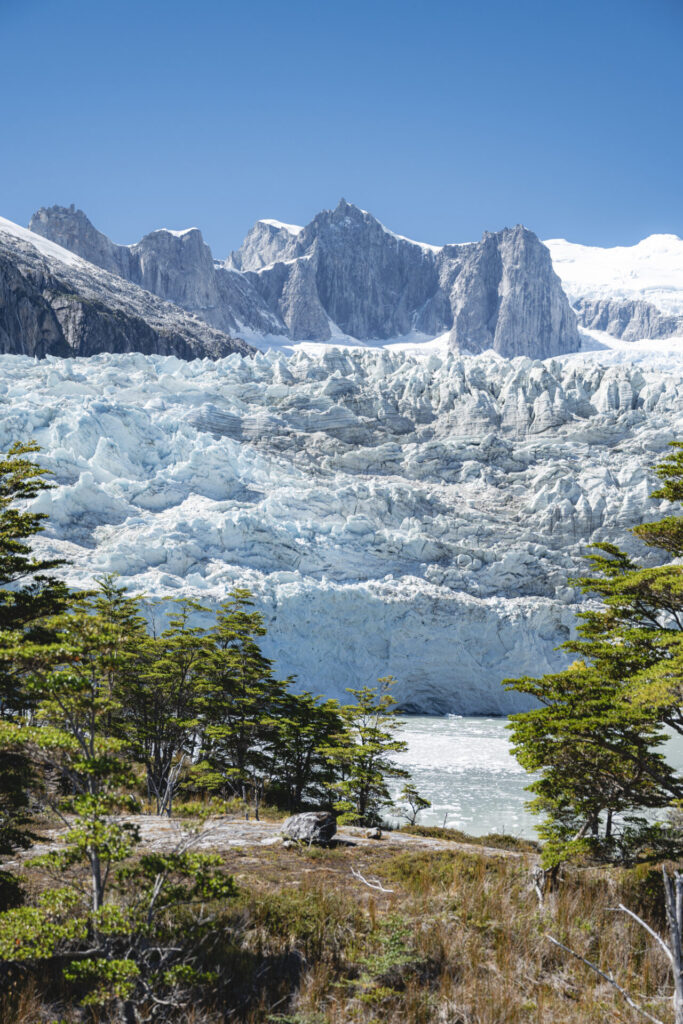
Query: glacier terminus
[(403, 450)]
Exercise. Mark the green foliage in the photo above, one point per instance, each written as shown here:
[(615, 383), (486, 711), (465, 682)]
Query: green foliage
[(594, 740), (242, 703), (306, 727), (413, 803), (106, 979), (161, 698), (28, 593), (497, 840), (361, 754)]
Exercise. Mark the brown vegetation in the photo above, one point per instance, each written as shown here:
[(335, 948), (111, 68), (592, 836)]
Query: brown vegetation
[(460, 939)]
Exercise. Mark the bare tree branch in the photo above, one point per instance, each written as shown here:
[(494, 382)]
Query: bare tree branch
[(373, 883), (624, 993)]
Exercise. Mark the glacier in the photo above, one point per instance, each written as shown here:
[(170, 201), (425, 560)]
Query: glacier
[(403, 510)]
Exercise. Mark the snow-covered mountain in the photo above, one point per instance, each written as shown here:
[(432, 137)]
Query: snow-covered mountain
[(418, 515), (345, 274), (630, 292), (53, 302), (396, 505)]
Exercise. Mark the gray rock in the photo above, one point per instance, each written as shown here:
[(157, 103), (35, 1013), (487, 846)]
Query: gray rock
[(66, 307), (500, 293), (312, 827), (265, 243), (346, 270), (374, 833), (630, 319), (505, 295), (28, 323), (175, 265)]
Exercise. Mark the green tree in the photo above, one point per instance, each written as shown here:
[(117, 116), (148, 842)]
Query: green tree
[(28, 593), (161, 699), (413, 803), (73, 682), (595, 738), (303, 773), (361, 755), (242, 703)]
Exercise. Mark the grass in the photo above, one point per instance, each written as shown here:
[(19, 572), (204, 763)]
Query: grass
[(459, 939), (497, 840)]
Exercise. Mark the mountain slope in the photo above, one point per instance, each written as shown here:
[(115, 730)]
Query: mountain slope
[(630, 292), (346, 273), (55, 303)]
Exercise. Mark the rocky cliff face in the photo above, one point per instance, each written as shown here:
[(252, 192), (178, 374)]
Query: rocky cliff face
[(348, 270), (504, 295), (175, 265), (629, 319), (54, 303), (345, 272)]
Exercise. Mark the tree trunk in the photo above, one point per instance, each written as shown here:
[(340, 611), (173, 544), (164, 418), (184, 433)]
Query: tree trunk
[(673, 895), (96, 876)]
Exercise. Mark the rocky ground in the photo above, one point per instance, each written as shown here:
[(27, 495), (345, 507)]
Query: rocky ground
[(229, 834)]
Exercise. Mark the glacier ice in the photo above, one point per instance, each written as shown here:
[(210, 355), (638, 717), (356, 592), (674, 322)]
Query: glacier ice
[(392, 512)]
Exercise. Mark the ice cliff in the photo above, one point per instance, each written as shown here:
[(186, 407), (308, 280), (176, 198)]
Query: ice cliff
[(418, 515)]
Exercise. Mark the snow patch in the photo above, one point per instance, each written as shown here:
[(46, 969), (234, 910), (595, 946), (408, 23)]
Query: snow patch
[(651, 271), (43, 245), (292, 229)]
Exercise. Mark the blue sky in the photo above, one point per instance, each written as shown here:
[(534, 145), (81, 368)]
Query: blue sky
[(444, 118)]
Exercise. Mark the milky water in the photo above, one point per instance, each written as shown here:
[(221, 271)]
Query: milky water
[(464, 766)]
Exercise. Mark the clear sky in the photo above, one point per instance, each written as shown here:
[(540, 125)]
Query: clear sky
[(444, 118)]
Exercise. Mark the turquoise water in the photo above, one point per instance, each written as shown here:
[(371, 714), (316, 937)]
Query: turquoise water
[(464, 766)]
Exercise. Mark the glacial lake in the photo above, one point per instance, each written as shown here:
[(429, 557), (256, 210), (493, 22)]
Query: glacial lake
[(464, 766)]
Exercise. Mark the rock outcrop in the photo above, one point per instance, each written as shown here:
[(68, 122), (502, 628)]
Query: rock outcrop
[(346, 273), (175, 265), (346, 270), (629, 319), (54, 303), (316, 828)]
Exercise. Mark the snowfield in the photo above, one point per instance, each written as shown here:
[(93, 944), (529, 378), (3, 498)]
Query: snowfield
[(651, 271), (407, 512)]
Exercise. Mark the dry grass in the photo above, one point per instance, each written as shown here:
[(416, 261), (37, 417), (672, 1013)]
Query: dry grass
[(460, 940)]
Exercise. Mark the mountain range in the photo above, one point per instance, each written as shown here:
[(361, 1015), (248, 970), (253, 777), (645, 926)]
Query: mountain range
[(343, 277), (394, 505)]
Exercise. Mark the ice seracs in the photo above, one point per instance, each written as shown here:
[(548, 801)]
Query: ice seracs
[(419, 515)]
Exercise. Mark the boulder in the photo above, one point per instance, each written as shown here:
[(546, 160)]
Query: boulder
[(313, 827)]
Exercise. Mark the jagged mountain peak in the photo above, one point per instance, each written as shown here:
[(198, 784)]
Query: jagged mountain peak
[(345, 272)]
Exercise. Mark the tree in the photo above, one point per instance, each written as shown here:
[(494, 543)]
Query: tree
[(414, 804), (73, 682), (28, 593), (361, 755), (594, 740), (242, 702), (303, 773), (161, 700)]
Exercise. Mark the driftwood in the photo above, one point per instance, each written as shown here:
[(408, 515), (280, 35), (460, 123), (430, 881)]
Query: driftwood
[(372, 883)]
